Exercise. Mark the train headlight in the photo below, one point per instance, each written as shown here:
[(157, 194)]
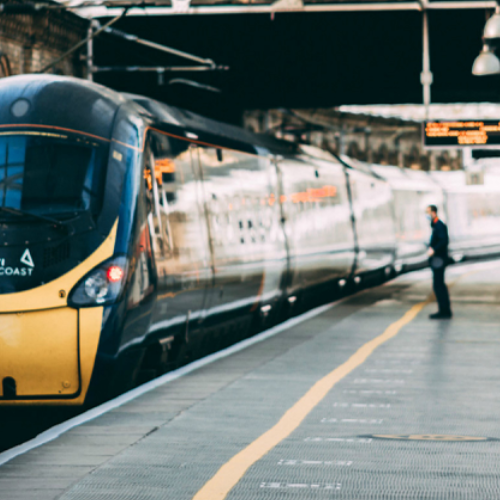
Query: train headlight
[(97, 286), (101, 286)]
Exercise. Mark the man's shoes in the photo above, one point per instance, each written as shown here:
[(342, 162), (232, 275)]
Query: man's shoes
[(440, 315)]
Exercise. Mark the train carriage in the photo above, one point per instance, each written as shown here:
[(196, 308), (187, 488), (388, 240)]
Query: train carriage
[(136, 236), (373, 213), (473, 214)]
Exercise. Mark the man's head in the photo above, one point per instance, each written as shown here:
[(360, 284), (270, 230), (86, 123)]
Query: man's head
[(432, 211)]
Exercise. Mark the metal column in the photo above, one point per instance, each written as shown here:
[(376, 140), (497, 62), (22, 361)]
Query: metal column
[(426, 75), (90, 52)]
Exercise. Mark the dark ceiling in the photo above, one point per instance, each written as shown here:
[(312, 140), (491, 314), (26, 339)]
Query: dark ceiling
[(303, 60)]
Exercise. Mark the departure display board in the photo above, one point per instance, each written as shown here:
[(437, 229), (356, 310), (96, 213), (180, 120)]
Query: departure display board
[(462, 133)]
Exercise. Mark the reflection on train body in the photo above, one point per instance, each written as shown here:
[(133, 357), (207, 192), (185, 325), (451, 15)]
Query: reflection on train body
[(181, 242)]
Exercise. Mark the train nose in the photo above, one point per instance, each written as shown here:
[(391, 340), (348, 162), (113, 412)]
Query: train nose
[(39, 353)]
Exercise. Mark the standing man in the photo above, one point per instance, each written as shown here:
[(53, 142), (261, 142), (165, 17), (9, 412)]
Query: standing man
[(438, 258)]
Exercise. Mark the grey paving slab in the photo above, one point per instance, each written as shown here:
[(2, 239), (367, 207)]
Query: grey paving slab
[(434, 378), (47, 471), (31, 494)]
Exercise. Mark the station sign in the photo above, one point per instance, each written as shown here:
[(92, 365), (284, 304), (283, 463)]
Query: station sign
[(461, 133)]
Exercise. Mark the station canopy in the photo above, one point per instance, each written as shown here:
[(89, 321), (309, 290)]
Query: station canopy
[(173, 7), (417, 112)]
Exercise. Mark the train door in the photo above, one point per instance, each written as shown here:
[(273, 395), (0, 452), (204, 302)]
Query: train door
[(333, 221), (294, 183), (317, 221), (287, 275), (374, 222), (180, 241)]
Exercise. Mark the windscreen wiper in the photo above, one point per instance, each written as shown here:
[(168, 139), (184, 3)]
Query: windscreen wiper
[(24, 213)]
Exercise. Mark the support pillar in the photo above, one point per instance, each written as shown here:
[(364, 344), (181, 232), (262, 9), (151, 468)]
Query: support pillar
[(426, 75), (90, 52)]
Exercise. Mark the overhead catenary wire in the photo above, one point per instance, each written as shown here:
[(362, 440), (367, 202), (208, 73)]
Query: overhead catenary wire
[(157, 46), (81, 43), (206, 64), (158, 69)]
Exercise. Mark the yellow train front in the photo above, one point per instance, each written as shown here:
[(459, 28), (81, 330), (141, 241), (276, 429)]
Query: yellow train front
[(72, 232)]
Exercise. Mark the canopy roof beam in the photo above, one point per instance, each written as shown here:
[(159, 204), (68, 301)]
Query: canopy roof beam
[(159, 9)]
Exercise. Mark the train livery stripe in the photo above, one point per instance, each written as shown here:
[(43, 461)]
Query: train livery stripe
[(54, 127), (71, 131), (232, 471)]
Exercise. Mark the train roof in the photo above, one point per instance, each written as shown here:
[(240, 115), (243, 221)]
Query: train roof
[(406, 179), (210, 130), (92, 107), (360, 166)]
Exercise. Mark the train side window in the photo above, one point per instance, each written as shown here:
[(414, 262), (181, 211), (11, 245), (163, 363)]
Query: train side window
[(157, 170), (151, 179)]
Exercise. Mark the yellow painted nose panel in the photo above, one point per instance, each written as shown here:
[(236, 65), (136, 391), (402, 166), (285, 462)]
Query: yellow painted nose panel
[(39, 350)]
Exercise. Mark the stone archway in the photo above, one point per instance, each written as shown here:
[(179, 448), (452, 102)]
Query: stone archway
[(5, 69)]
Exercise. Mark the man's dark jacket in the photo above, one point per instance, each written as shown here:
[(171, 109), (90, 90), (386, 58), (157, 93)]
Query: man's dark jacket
[(439, 239)]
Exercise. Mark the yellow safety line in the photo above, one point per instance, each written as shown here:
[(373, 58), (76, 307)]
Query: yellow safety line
[(232, 471)]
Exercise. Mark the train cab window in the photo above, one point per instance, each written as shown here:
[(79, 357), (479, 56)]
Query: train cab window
[(51, 175)]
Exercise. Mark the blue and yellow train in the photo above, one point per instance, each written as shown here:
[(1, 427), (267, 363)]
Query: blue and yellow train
[(135, 236)]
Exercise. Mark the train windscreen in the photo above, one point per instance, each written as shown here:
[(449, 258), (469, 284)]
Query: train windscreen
[(51, 173)]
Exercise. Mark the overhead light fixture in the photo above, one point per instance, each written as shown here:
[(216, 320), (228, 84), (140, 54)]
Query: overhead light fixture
[(486, 63), (492, 28)]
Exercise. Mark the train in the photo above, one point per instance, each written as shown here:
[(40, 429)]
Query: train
[(136, 236)]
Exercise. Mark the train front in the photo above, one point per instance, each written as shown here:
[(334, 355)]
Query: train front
[(64, 148)]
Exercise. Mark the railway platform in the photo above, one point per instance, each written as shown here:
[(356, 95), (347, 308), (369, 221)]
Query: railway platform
[(363, 399)]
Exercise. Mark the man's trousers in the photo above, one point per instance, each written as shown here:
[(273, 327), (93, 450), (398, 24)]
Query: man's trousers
[(440, 288)]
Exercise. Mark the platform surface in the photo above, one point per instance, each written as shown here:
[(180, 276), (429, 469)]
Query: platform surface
[(418, 419)]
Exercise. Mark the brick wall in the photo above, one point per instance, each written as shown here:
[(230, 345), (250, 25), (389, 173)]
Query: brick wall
[(30, 41)]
